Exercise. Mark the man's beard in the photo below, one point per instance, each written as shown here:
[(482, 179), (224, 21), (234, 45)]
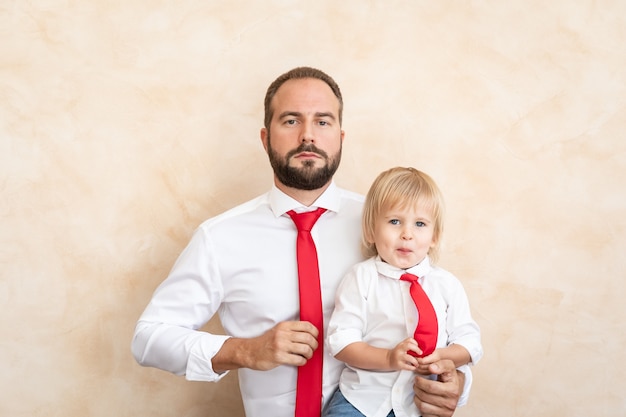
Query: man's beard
[(306, 177)]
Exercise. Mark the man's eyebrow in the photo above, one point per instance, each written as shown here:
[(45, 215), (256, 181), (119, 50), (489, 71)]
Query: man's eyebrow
[(330, 115), (288, 114)]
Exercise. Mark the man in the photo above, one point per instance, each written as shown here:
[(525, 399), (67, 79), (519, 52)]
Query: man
[(242, 265)]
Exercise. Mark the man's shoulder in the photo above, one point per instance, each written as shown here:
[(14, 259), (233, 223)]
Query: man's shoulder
[(351, 203), (351, 195), (260, 203)]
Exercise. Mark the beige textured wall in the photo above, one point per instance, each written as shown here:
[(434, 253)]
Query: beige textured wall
[(125, 124)]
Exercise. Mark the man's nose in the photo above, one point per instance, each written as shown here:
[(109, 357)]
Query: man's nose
[(307, 135)]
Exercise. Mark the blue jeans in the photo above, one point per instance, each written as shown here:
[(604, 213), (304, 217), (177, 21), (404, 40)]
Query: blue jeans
[(338, 406)]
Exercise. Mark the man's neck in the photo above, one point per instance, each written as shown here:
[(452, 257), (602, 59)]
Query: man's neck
[(305, 197)]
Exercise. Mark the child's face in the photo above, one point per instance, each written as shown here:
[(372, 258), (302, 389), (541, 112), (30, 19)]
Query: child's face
[(403, 236)]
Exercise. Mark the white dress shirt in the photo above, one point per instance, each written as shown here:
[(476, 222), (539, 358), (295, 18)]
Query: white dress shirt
[(242, 265), (373, 305)]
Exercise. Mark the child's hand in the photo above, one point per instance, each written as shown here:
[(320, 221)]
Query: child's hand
[(423, 363), (400, 359)]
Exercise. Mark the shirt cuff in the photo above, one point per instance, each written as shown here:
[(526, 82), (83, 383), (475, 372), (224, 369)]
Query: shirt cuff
[(337, 341), (468, 384), (199, 365)]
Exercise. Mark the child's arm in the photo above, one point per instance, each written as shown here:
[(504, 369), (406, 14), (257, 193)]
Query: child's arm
[(363, 356), (456, 353)]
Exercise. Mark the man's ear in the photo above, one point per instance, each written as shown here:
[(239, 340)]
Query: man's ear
[(264, 137)]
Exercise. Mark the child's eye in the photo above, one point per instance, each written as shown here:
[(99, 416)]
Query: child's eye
[(420, 224), (394, 221)]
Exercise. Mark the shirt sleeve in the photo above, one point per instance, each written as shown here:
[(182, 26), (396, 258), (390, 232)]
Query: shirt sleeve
[(461, 327), (462, 330), (166, 335), (347, 322)]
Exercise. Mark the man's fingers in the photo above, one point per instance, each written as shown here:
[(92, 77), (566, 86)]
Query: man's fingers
[(300, 326), (432, 399), (287, 343), (303, 345), (296, 340), (438, 398)]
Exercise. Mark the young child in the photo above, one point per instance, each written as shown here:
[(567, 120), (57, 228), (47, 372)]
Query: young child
[(375, 317)]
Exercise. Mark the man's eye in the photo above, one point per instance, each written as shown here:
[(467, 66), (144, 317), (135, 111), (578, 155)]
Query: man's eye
[(290, 122), (323, 122)]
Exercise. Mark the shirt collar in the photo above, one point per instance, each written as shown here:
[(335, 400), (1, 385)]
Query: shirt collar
[(419, 270), (281, 203)]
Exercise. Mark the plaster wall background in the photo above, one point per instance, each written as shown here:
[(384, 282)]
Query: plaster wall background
[(123, 125)]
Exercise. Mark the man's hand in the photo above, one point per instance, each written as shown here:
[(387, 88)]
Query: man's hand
[(439, 398), (287, 343)]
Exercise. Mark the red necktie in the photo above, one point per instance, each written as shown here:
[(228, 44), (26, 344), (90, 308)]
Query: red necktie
[(309, 388), (427, 327)]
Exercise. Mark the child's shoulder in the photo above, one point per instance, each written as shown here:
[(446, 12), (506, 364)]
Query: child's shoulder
[(443, 276), (363, 271), (368, 263), (363, 268)]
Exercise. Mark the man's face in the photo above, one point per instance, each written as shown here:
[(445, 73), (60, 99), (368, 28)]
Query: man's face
[(304, 139)]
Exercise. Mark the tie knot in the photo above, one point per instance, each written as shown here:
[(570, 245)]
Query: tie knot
[(409, 277), (305, 221)]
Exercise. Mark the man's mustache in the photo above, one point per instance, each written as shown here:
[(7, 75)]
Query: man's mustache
[(307, 148)]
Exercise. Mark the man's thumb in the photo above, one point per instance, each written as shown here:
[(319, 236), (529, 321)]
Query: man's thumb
[(446, 376), (444, 373)]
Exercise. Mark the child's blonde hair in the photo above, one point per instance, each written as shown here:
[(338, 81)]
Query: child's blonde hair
[(401, 187)]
